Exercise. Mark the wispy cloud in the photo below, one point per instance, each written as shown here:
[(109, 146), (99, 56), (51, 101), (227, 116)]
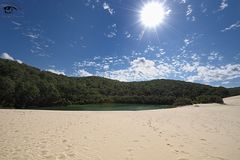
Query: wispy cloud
[(182, 1), (39, 43), (107, 7), (223, 5), (127, 34), (189, 13), (69, 17), (113, 31), (187, 41), (16, 23), (91, 3), (203, 7), (189, 10), (150, 49), (215, 56), (234, 26)]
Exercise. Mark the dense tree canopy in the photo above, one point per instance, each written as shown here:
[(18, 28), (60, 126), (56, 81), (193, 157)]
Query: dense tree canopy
[(25, 86)]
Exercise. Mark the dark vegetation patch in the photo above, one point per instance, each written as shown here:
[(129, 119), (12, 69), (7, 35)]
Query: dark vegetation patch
[(23, 86)]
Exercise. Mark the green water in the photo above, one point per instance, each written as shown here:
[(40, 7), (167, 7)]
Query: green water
[(105, 107)]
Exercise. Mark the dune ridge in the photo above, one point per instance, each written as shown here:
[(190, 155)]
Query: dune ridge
[(207, 132)]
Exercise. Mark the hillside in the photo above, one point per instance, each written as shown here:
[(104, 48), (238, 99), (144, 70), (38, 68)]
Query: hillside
[(22, 86)]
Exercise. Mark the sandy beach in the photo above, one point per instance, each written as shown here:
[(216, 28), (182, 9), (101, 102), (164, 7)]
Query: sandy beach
[(208, 132)]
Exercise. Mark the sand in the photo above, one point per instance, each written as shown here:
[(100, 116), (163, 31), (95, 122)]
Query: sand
[(211, 131)]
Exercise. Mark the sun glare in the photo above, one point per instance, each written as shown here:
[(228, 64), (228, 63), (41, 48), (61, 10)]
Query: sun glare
[(152, 14)]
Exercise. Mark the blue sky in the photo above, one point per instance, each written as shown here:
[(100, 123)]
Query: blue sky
[(198, 41)]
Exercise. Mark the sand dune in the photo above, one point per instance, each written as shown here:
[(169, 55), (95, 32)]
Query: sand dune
[(211, 131)]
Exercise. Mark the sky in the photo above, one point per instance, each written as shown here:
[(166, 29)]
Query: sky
[(196, 41)]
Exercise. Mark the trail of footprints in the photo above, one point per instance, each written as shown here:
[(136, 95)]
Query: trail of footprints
[(66, 154), (160, 134)]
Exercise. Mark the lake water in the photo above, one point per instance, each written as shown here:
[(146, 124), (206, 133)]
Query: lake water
[(106, 107)]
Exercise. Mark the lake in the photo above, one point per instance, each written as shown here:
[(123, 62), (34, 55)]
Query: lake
[(105, 107)]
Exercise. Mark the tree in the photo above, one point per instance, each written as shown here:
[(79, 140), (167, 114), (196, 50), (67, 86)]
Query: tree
[(26, 94), (7, 90)]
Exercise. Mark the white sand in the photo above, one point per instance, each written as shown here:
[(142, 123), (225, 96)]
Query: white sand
[(210, 131)]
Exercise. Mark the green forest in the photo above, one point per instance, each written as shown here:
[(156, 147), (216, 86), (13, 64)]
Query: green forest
[(23, 86)]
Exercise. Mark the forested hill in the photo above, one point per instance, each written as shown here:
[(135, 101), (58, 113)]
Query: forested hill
[(23, 86)]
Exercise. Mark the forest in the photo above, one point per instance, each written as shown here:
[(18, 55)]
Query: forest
[(23, 86)]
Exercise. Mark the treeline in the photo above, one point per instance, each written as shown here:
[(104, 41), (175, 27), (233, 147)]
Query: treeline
[(25, 86)]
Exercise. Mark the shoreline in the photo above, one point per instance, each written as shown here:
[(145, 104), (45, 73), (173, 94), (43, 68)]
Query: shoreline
[(208, 132)]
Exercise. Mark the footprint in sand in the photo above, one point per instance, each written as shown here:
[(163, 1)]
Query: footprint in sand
[(129, 150), (169, 145), (16, 158), (61, 156), (129, 154), (203, 139), (70, 155), (184, 152), (44, 153), (50, 157)]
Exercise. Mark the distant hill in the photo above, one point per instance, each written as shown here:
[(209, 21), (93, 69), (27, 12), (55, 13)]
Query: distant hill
[(24, 86)]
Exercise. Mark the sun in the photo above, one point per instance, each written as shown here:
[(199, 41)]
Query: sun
[(152, 14)]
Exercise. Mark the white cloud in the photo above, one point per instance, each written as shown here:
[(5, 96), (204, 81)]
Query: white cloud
[(107, 7), (233, 26), (31, 35), (91, 3), (213, 74), (224, 4), (86, 64), (111, 35), (39, 42), (140, 69), (189, 10), (195, 57), (214, 56), (106, 67), (7, 56), (226, 82), (16, 23), (193, 18), (127, 34), (190, 67), (69, 17), (187, 41), (161, 52), (182, 1), (140, 66), (59, 72), (203, 7), (19, 61), (82, 73), (149, 49), (113, 32), (237, 56)]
